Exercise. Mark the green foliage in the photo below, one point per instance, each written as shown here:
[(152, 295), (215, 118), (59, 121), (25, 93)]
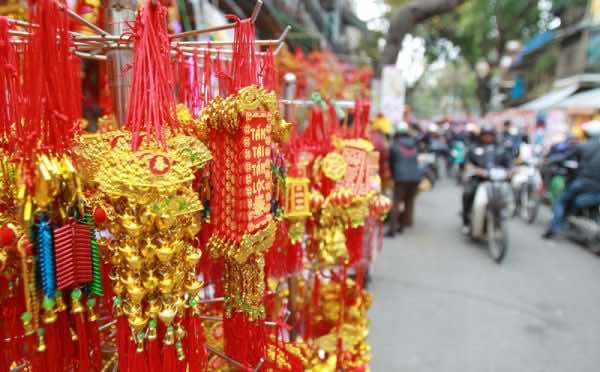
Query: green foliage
[(448, 91), (396, 3), (481, 28), (547, 60), (569, 11)]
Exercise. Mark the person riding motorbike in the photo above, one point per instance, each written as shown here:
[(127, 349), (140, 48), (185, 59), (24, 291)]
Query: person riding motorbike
[(511, 138), (486, 154), (587, 179)]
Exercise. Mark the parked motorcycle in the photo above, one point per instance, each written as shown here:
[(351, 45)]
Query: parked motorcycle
[(489, 212)]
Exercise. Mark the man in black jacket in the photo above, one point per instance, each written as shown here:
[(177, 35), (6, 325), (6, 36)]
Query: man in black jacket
[(588, 175), (406, 176), (484, 155)]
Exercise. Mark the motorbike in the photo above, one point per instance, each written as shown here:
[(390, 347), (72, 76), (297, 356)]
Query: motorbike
[(527, 185), (489, 212), (583, 225), (555, 177), (583, 221), (428, 165)]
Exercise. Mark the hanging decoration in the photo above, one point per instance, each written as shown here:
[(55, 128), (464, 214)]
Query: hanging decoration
[(141, 248)]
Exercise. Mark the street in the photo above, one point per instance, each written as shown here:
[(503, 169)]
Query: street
[(442, 305)]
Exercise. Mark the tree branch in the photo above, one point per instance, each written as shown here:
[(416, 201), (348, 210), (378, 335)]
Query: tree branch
[(406, 17)]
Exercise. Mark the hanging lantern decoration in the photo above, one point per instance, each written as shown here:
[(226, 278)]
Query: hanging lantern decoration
[(241, 129)]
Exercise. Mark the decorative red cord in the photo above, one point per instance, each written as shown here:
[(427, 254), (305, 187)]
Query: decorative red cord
[(51, 112), (9, 87), (151, 100)]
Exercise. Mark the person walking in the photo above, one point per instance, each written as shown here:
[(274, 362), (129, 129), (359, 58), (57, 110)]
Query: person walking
[(406, 175)]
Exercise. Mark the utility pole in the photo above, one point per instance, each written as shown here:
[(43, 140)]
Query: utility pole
[(119, 13)]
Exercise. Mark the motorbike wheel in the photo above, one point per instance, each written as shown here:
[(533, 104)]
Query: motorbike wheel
[(459, 175), (594, 247), (497, 238), (529, 204)]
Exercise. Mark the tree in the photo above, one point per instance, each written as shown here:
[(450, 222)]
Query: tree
[(482, 29), (406, 16)]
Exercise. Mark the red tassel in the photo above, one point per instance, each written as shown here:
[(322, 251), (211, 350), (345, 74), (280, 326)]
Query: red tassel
[(151, 102), (206, 87), (68, 346), (82, 343), (221, 72), (94, 343), (238, 330), (52, 111), (123, 343), (169, 358), (243, 59), (36, 358), (11, 330), (9, 87), (354, 241), (153, 352), (269, 71), (196, 351), (138, 359), (53, 355), (294, 257)]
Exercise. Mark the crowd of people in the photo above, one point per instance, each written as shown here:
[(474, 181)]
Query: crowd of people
[(414, 155)]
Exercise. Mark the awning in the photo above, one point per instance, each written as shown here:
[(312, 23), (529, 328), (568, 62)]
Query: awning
[(550, 99), (585, 101), (532, 45)]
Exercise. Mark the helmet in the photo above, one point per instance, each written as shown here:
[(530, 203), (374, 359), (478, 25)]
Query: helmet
[(487, 129), (382, 124), (471, 128), (400, 128), (591, 128), (432, 128)]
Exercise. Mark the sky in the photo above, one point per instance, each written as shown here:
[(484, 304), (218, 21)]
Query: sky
[(372, 11)]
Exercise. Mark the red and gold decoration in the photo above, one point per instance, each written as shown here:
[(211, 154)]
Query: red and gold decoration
[(241, 129), (193, 236)]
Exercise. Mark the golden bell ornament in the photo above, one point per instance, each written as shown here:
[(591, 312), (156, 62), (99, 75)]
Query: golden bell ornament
[(193, 256), (41, 343), (193, 228), (130, 224), (153, 308), (165, 253), (118, 288), (148, 218), (193, 286), (150, 281), (136, 293), (135, 262), (167, 315), (166, 284), (165, 222), (137, 323), (149, 249)]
